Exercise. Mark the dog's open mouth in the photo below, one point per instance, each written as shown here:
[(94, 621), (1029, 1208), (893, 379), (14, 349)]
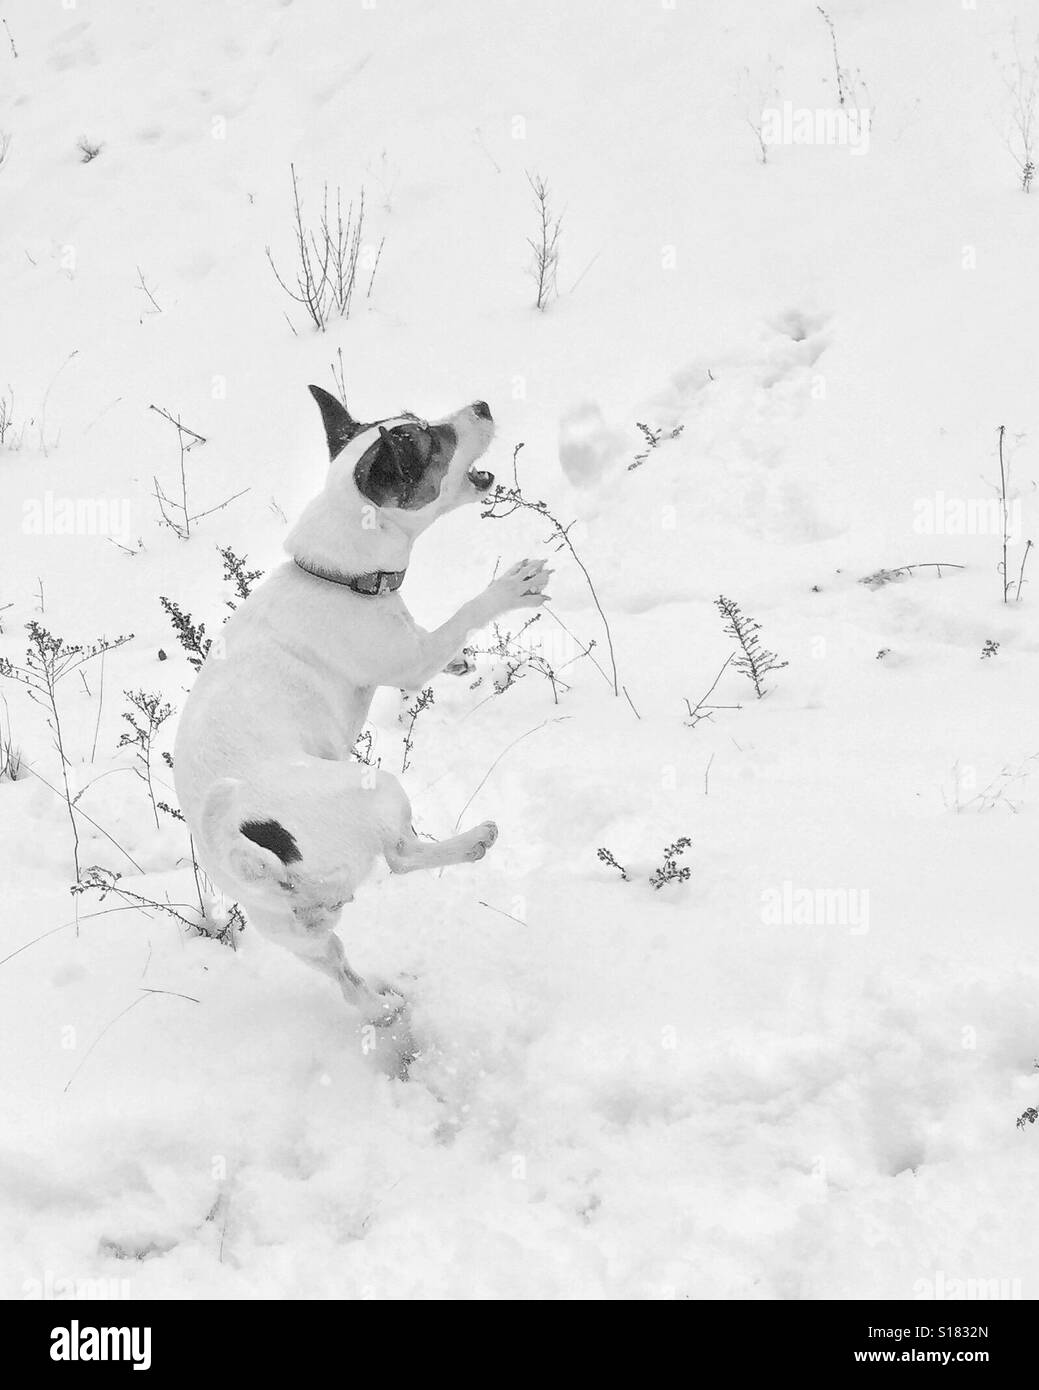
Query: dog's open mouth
[(480, 480)]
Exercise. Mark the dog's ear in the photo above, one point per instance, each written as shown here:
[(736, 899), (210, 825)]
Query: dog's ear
[(379, 474), (340, 426)]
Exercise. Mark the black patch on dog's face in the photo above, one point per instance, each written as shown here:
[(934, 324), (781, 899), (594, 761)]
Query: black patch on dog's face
[(269, 834), (406, 466)]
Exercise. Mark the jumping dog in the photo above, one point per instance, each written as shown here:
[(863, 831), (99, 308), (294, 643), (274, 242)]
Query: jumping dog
[(284, 818)]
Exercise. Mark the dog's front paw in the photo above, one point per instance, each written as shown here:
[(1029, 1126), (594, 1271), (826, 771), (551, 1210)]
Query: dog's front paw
[(522, 586)]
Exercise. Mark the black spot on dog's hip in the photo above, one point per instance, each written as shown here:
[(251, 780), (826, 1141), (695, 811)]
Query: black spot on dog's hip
[(269, 834)]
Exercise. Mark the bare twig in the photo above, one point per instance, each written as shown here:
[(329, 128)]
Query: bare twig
[(545, 244), (142, 285), (1004, 473), (339, 377), (1021, 575), (499, 910), (46, 398), (89, 819), (884, 576), (836, 60), (558, 719), (169, 509), (100, 704), (702, 709)]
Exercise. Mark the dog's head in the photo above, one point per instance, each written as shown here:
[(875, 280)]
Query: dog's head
[(410, 468)]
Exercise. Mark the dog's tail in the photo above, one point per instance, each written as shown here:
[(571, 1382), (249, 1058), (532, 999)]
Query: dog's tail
[(253, 848)]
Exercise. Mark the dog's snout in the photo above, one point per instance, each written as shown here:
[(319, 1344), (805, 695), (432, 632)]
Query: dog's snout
[(481, 410)]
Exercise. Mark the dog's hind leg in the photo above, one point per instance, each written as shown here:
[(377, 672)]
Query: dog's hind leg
[(409, 852), (381, 1007), (385, 1031), (324, 951), (404, 851)]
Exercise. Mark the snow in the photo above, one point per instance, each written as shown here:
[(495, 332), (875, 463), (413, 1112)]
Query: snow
[(623, 1093)]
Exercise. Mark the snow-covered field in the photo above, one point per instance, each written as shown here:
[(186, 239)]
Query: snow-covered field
[(795, 1074)]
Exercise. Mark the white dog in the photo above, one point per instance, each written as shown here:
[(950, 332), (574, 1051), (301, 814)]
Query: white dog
[(284, 819)]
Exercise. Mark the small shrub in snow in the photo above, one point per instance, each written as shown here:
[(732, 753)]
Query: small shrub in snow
[(544, 244), (191, 635), (1010, 779), (146, 716), (989, 649), (10, 438), (507, 500), (518, 658), (879, 578), (5, 146), (653, 438), (328, 257), (1020, 78), (424, 700), (172, 811), (235, 573), (364, 746), (10, 754), (225, 932), (88, 150), (48, 660), (1005, 525), (177, 514), (754, 660), (759, 93), (106, 881), (607, 858), (669, 871), (848, 83)]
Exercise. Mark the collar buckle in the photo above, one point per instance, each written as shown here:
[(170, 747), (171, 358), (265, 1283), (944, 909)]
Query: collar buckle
[(371, 585)]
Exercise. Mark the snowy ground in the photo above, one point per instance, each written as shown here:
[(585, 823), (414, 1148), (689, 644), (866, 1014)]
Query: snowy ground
[(623, 1093)]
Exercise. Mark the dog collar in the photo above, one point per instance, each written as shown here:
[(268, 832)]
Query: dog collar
[(372, 584)]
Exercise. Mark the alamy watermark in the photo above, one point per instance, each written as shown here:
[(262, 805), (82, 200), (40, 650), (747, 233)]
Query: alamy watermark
[(942, 515), (790, 906), (981, 1290), (52, 515), (60, 1286), (821, 125)]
